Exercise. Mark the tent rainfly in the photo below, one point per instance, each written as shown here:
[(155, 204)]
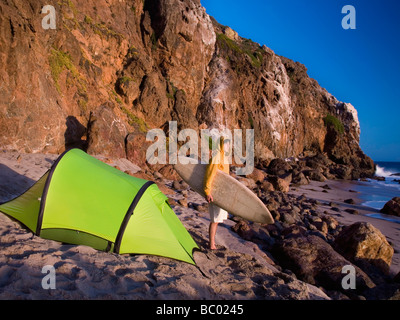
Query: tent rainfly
[(84, 201)]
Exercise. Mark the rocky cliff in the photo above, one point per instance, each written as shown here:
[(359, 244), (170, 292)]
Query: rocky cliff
[(111, 70)]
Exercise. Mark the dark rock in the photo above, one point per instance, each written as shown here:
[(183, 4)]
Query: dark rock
[(243, 229), (352, 211), (257, 175), (281, 183), (331, 222), (279, 167), (262, 236), (321, 226), (249, 183), (300, 179), (396, 295), (392, 207), (276, 215), (315, 175), (321, 159), (272, 204), (396, 278), (349, 201), (254, 232), (267, 186), (294, 230), (178, 185), (313, 260), (296, 209), (183, 202), (169, 172), (273, 230), (318, 233), (301, 198), (287, 217), (200, 207), (341, 171)]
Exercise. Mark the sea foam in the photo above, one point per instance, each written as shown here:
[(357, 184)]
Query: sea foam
[(383, 172)]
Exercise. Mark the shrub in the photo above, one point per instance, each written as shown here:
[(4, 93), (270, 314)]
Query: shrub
[(334, 122), (248, 48)]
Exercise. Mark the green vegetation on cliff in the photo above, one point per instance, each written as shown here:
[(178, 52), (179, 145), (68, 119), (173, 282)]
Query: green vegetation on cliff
[(247, 47), (60, 61), (334, 122)]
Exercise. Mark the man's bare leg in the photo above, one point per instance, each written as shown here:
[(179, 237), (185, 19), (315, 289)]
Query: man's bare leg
[(212, 232)]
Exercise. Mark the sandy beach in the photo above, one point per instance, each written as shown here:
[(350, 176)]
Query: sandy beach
[(241, 269)]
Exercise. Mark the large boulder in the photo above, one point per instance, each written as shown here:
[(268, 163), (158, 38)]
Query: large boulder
[(315, 175), (392, 207), (281, 183), (313, 260), (257, 175), (300, 179), (279, 167), (365, 245)]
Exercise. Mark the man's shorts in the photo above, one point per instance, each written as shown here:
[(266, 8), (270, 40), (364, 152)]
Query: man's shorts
[(216, 213)]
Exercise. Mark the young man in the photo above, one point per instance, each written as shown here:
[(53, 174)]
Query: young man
[(218, 162)]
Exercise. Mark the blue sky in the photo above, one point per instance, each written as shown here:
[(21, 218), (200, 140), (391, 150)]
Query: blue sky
[(360, 66)]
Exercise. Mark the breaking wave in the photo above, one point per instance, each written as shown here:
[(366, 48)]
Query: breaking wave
[(383, 172)]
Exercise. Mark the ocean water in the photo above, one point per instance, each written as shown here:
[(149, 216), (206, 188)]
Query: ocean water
[(376, 193), (385, 190)]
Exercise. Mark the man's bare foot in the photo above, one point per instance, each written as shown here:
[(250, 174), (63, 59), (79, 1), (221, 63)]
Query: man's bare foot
[(213, 247)]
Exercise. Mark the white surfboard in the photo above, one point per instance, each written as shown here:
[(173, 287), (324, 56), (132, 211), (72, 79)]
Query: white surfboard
[(228, 193)]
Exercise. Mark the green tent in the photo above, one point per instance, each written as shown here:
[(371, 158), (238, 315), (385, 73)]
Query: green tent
[(82, 200)]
